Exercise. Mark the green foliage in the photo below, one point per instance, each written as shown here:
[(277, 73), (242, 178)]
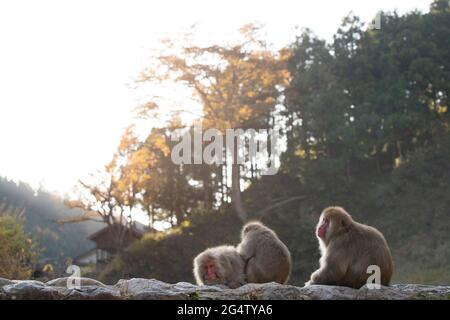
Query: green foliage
[(369, 97), (17, 251), (410, 206)]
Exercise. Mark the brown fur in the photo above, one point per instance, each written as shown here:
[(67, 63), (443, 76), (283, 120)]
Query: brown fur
[(348, 249), (268, 259), (229, 266)]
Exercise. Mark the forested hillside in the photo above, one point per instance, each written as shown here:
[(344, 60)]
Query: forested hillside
[(366, 124), (41, 210)]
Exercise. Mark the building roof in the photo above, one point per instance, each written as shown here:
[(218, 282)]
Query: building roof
[(137, 228)]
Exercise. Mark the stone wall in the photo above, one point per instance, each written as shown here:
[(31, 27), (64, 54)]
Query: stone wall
[(151, 289)]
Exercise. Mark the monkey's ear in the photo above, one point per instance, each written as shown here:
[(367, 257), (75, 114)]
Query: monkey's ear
[(247, 228)]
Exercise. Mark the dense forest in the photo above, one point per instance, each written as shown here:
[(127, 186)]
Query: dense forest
[(364, 122)]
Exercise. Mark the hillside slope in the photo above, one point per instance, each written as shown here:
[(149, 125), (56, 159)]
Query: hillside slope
[(41, 210), (410, 205)]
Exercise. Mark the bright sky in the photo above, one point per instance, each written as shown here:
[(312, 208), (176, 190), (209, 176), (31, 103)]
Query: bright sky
[(66, 69)]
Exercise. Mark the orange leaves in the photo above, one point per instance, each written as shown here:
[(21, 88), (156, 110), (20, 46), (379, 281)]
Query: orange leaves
[(147, 110), (128, 140), (141, 171), (237, 84), (160, 142), (244, 113)]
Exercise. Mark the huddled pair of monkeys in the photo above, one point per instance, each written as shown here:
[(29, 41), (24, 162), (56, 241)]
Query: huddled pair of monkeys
[(347, 248)]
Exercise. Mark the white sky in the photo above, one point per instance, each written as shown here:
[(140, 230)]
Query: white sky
[(66, 67)]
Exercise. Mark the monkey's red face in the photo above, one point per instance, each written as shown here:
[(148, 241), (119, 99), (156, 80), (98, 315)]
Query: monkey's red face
[(210, 271), (322, 229)]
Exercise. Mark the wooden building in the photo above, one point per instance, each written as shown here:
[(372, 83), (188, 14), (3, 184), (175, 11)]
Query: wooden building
[(106, 244)]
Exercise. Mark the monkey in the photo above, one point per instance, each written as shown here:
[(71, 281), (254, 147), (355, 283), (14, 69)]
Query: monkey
[(220, 265), (348, 248), (267, 258)]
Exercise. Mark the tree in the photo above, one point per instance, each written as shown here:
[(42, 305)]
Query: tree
[(366, 100), (148, 180), (166, 194), (17, 250), (102, 200), (438, 6), (237, 85)]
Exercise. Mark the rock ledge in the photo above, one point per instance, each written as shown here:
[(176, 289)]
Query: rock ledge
[(151, 289)]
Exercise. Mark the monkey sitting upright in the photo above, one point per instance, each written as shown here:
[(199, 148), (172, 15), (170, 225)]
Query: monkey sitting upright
[(220, 265), (348, 248), (267, 258)]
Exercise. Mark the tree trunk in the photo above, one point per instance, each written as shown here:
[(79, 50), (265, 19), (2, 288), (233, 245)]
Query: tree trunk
[(207, 188), (399, 149), (377, 159), (152, 216), (236, 199), (225, 176)]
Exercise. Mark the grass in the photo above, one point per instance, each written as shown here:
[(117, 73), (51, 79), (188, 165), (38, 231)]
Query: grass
[(434, 276)]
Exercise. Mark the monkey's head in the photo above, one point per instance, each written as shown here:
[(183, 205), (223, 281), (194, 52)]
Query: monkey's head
[(331, 222), (251, 227), (209, 267), (212, 271)]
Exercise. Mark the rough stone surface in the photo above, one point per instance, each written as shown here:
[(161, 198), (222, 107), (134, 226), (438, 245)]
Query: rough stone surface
[(92, 293), (4, 282), (62, 282), (151, 289), (29, 290)]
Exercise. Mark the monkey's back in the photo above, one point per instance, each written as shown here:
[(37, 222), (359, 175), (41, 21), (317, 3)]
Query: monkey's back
[(366, 246), (274, 257)]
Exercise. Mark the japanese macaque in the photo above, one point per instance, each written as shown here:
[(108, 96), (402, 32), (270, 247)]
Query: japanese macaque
[(267, 258), (220, 265), (348, 248)]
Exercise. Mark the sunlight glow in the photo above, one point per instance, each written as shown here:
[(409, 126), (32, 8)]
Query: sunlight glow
[(67, 69)]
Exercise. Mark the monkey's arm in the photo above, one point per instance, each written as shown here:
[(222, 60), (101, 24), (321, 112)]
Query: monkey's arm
[(331, 272), (247, 249), (235, 277), (236, 282)]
